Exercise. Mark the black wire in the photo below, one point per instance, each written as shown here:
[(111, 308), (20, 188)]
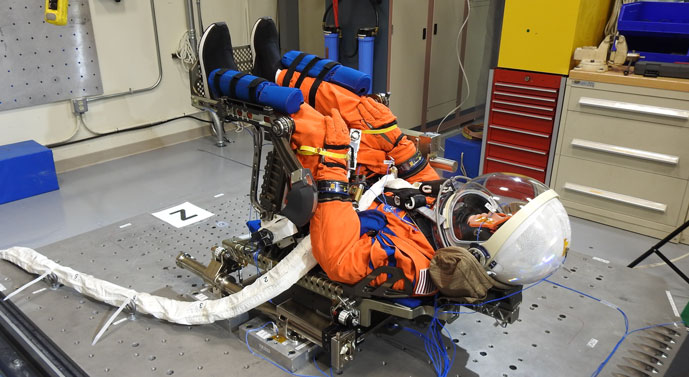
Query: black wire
[(374, 5), (327, 10), (126, 130)]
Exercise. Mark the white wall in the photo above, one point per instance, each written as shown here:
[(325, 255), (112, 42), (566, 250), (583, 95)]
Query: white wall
[(126, 53)]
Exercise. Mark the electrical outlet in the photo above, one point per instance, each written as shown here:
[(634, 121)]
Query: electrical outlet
[(80, 105)]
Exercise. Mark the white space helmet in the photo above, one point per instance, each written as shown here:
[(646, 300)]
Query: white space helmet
[(514, 225)]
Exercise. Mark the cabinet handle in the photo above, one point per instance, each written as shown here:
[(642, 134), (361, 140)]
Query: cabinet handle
[(615, 197), (525, 96), (435, 29), (522, 114), (523, 105), (525, 87), (519, 131), (634, 108), (517, 148), (423, 34), (624, 151), (514, 164)]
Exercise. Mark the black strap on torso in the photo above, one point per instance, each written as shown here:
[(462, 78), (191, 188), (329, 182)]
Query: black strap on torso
[(305, 72), (397, 141), (252, 88), (216, 81), (319, 79), (292, 67), (233, 83)]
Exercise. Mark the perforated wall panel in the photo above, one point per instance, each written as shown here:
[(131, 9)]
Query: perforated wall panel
[(42, 63)]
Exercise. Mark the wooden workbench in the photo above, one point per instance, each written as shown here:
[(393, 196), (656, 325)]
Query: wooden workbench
[(618, 77)]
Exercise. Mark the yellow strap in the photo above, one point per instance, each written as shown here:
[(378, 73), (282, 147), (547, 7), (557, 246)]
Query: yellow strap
[(310, 151), (380, 131)]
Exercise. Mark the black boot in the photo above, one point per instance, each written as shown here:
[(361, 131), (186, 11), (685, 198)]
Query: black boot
[(265, 48), (215, 51)]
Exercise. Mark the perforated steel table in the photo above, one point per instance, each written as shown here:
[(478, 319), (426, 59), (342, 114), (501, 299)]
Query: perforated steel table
[(559, 333)]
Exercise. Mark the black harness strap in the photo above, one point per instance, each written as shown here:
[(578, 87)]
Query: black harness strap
[(305, 72), (216, 80), (334, 165), (336, 147), (233, 83), (399, 138), (319, 79), (252, 88), (292, 67)]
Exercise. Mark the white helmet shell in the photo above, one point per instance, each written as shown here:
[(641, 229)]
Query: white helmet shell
[(515, 225)]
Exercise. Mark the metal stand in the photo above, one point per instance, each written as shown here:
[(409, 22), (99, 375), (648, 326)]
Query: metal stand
[(217, 127), (656, 249)]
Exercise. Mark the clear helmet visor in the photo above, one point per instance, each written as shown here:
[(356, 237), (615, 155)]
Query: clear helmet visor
[(480, 206)]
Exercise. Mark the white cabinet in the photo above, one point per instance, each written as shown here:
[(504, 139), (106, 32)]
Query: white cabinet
[(407, 60), (423, 70), (622, 157), (444, 72)]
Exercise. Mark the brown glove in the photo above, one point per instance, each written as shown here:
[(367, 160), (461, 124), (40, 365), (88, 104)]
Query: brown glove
[(458, 274)]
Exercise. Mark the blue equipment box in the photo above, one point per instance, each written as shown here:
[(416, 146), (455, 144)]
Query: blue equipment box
[(464, 151), (659, 31), (26, 169)]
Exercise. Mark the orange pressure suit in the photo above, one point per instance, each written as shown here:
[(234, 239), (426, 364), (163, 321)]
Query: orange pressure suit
[(348, 244)]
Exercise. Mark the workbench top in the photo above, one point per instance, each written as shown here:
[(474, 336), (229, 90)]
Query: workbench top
[(618, 77)]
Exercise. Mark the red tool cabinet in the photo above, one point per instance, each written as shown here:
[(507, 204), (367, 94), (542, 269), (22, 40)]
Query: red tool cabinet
[(522, 118)]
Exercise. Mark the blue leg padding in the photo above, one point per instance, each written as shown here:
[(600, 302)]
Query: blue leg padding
[(348, 78), (282, 99)]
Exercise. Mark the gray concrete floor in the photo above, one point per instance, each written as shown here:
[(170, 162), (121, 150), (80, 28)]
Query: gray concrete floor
[(99, 195)]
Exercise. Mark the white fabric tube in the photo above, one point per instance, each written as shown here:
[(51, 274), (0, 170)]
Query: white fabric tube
[(277, 280)]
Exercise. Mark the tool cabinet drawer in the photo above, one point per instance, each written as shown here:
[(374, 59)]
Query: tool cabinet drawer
[(522, 120), (510, 152), (524, 97), (496, 164), (516, 136), (527, 82), (630, 106), (634, 144), (621, 191), (512, 105)]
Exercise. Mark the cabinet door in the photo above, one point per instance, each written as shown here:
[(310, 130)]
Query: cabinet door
[(407, 59), (448, 16)]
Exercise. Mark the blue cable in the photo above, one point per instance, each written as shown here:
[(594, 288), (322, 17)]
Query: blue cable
[(319, 369), (246, 340), (478, 232), (626, 326), (659, 325), (258, 271)]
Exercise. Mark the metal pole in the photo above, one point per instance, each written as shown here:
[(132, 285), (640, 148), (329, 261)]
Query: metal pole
[(191, 26), (198, 13)]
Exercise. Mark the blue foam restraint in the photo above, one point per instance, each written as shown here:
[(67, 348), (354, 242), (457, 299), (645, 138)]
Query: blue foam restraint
[(282, 99), (253, 225), (348, 78)]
